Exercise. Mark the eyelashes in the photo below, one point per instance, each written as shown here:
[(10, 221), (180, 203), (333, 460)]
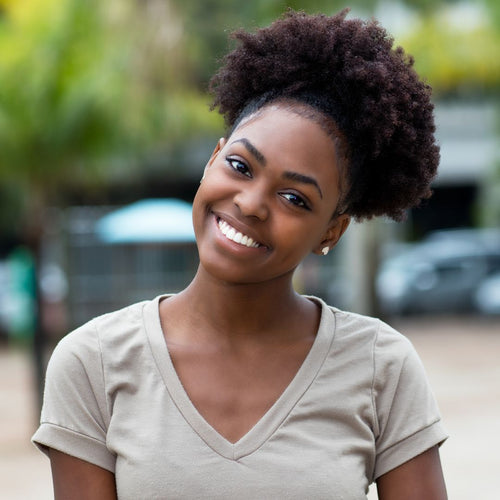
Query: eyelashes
[(239, 166), (296, 200), (291, 197)]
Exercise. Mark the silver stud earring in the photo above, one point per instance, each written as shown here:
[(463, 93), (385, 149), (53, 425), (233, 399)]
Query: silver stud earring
[(325, 250)]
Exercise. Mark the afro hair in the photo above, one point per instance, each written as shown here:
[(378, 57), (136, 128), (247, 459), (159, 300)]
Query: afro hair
[(348, 70)]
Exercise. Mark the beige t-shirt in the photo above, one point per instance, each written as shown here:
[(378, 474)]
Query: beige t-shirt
[(359, 406)]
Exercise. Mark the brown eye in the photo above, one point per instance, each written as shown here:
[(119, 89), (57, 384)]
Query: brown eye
[(296, 200), (239, 166)]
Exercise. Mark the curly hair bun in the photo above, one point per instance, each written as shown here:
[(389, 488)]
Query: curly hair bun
[(356, 78)]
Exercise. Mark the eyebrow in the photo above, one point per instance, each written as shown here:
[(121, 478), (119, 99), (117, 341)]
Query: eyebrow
[(292, 176), (253, 150), (305, 179)]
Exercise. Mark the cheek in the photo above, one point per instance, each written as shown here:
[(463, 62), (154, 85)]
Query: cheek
[(210, 192), (199, 210), (301, 238), (206, 190)]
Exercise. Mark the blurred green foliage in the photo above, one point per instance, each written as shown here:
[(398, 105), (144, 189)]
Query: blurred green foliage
[(208, 24), (453, 57), (59, 88), (86, 88), (457, 60)]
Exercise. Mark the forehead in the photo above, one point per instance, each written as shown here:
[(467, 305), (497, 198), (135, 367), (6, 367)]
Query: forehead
[(296, 127)]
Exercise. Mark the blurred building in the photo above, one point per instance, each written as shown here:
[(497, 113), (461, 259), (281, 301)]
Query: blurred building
[(466, 132)]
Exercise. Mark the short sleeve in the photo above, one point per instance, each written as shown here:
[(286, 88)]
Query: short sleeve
[(407, 415), (75, 415)]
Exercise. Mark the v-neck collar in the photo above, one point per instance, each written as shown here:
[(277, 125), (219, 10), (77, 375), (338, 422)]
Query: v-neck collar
[(272, 419)]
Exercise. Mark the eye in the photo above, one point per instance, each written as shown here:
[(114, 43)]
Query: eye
[(238, 166), (296, 200)]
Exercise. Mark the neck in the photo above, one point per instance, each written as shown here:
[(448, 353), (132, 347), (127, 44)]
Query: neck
[(243, 309)]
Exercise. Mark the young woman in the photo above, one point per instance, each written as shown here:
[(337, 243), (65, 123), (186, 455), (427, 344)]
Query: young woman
[(238, 387)]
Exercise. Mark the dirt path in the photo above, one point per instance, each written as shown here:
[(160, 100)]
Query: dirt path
[(462, 359)]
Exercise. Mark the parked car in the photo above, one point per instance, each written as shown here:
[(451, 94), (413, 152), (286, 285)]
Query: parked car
[(487, 295), (443, 273)]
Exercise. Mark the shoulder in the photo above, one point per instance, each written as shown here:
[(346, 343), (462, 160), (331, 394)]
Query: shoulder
[(394, 360), (405, 417), (363, 329), (368, 340), (386, 340), (115, 321), (85, 344)]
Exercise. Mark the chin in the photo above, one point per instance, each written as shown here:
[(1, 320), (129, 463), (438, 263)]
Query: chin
[(228, 274), (240, 274)]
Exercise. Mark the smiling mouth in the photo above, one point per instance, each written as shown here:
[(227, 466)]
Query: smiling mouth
[(232, 234)]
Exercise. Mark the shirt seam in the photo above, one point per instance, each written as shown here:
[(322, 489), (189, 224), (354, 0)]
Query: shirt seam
[(59, 426), (410, 435), (103, 377), (376, 425), (376, 429)]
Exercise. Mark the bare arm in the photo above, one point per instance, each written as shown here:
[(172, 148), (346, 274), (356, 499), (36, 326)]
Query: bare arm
[(421, 478), (76, 479)]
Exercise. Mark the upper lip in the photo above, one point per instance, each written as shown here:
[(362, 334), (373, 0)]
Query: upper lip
[(240, 227)]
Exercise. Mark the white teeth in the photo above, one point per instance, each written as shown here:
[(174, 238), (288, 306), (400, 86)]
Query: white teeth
[(230, 233)]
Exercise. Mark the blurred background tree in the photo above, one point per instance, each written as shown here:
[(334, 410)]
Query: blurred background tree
[(86, 89), (456, 50), (489, 208), (59, 93), (210, 22)]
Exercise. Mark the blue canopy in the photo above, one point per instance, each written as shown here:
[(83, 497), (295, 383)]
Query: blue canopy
[(148, 221)]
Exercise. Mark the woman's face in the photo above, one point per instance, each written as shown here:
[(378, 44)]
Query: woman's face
[(267, 198)]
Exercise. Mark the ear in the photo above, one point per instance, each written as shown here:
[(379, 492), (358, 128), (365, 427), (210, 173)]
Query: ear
[(220, 144), (336, 229)]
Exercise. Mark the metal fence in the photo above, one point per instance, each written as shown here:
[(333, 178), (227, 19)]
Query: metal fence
[(103, 277)]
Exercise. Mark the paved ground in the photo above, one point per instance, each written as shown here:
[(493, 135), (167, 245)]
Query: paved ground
[(24, 472), (462, 358)]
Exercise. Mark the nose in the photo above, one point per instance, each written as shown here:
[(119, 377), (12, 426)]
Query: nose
[(251, 201)]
